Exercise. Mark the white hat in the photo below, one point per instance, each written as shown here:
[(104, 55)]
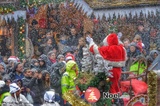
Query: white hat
[(49, 96), (2, 83), (14, 88)]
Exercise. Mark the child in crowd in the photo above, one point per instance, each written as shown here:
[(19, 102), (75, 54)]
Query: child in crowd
[(138, 41), (132, 53)]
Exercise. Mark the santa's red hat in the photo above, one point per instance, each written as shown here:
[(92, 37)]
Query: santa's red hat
[(13, 58), (69, 56), (111, 39)]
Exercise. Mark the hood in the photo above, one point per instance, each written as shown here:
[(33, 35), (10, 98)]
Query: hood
[(69, 65), (44, 57), (57, 67), (67, 49), (33, 61), (14, 88), (111, 39), (152, 53), (3, 64), (44, 65)]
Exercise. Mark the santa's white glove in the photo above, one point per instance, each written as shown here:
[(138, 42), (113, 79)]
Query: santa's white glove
[(89, 39), (110, 74)]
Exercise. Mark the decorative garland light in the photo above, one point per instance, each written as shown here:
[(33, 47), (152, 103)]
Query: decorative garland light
[(32, 3), (152, 88), (7, 9), (21, 38)]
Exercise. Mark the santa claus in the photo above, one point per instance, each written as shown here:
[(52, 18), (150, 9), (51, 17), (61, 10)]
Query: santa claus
[(114, 55)]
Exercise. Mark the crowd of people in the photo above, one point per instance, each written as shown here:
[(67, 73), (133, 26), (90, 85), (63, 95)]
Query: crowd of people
[(45, 78)]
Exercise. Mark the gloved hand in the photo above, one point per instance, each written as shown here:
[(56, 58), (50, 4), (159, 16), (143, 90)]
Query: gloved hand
[(89, 39), (109, 74)]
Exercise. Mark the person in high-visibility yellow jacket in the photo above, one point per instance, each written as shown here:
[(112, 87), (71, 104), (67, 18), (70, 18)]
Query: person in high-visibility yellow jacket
[(2, 96), (67, 81)]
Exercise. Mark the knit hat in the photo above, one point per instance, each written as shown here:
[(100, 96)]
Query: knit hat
[(13, 58), (133, 44), (2, 83), (60, 56), (14, 88), (49, 96)]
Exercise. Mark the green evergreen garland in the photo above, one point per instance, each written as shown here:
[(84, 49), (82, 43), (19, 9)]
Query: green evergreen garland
[(5, 9), (30, 3), (21, 38), (99, 81)]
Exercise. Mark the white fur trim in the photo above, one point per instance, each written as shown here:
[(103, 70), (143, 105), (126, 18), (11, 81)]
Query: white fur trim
[(91, 44), (105, 43), (95, 49), (116, 64), (69, 58), (125, 54), (13, 58)]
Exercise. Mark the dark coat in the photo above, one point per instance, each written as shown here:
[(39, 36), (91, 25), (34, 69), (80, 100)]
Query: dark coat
[(73, 40), (35, 86), (56, 77)]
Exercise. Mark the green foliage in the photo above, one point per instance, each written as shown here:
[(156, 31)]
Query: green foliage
[(104, 102), (21, 38), (30, 3), (98, 81), (5, 9)]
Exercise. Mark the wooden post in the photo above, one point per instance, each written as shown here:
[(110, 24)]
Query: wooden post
[(12, 42)]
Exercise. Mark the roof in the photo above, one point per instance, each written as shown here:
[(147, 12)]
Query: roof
[(103, 4), (110, 8)]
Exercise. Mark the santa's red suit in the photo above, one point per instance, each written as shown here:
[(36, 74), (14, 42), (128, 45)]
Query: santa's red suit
[(114, 54)]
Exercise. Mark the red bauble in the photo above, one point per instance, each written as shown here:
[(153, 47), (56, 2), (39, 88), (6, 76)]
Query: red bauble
[(42, 23), (92, 94)]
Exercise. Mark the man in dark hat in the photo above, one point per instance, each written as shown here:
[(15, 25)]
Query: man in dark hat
[(34, 35), (144, 35)]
